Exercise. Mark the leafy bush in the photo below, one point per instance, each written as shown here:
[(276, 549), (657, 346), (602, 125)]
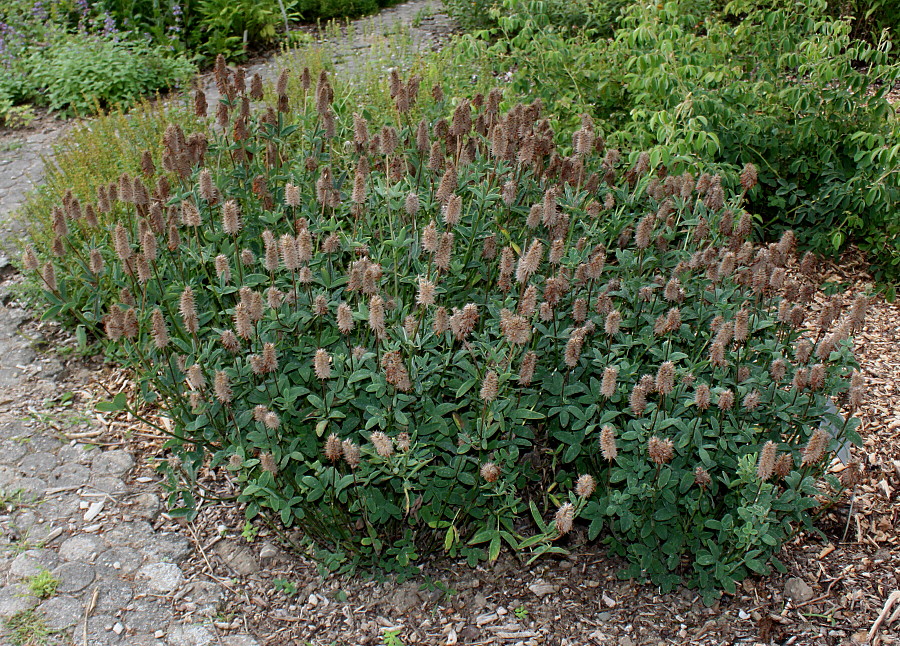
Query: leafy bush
[(754, 82), (76, 61), (81, 73), (415, 331)]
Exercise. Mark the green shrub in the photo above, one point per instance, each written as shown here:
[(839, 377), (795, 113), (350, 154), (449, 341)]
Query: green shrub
[(756, 81), (402, 334), (80, 73)]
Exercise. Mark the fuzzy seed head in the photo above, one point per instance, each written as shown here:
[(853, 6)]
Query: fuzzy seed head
[(189, 311), (660, 450), (564, 518), (638, 400), (665, 378), (530, 261), (489, 386), (384, 446), (158, 327), (815, 447), (608, 443), (425, 294), (333, 448), (490, 472), (351, 453), (766, 465), (726, 400), (292, 195), (701, 477), (526, 369), (322, 364), (608, 385), (585, 486)]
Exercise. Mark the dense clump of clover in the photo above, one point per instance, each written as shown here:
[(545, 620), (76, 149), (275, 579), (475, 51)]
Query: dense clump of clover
[(414, 333)]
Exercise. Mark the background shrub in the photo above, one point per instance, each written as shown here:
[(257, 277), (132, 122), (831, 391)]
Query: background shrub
[(416, 330), (70, 59), (691, 79)]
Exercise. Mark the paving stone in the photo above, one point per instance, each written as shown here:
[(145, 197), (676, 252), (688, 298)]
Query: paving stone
[(147, 615), (112, 463), (100, 631), (108, 484), (8, 476), (11, 452), (31, 563), (38, 464), (77, 454), (74, 577), (239, 640), (238, 557), (32, 488), (162, 577), (124, 559), (137, 533), (168, 547), (15, 598), (44, 443), (82, 547), (114, 595), (146, 505), (69, 475), (190, 635), (61, 611)]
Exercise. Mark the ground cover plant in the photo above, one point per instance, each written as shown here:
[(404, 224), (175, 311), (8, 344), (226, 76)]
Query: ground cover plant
[(76, 60), (783, 85), (423, 328)]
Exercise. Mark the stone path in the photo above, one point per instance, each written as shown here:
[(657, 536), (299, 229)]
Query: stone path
[(85, 552)]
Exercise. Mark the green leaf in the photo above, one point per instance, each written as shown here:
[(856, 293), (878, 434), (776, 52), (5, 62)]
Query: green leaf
[(118, 403)]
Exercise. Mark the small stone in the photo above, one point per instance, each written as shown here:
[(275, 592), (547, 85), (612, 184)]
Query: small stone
[(159, 634), (93, 511), (118, 628), (162, 577), (603, 616), (608, 601), (112, 463), (797, 590), (543, 589), (268, 553), (92, 528), (625, 640), (743, 614)]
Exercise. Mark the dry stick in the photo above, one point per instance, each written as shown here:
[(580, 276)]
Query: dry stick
[(893, 598), (87, 613)]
